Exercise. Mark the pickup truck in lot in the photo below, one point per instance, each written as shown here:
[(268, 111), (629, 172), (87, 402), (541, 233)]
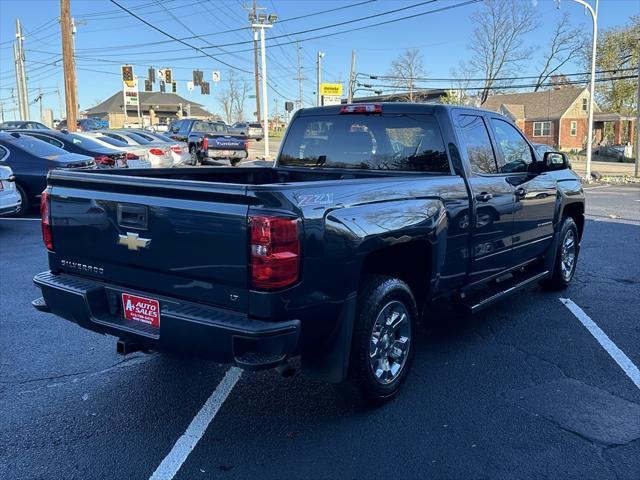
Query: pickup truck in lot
[(371, 212), (209, 141)]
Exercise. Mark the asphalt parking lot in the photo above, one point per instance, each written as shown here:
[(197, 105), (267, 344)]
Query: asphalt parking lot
[(521, 390)]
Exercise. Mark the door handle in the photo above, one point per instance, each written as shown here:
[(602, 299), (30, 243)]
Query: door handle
[(484, 197), (520, 192)]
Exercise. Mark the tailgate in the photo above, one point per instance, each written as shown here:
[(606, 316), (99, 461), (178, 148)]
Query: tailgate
[(179, 238), (226, 143)]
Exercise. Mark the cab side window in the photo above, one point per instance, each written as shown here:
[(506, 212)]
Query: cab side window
[(477, 143), (515, 152)]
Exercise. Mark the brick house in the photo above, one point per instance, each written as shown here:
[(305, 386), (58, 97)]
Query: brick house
[(559, 117)]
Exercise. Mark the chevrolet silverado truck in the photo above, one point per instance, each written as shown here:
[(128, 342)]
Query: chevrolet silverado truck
[(210, 141), (369, 214)]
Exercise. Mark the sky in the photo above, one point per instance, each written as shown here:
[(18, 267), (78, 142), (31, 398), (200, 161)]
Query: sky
[(108, 37)]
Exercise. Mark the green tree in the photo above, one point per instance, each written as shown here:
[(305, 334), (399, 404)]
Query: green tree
[(618, 48)]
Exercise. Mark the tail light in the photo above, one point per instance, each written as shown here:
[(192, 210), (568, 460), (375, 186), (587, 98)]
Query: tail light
[(45, 214), (246, 144), (205, 143), (1, 186), (361, 108), (275, 251), (176, 149), (131, 156), (104, 160), (156, 151)]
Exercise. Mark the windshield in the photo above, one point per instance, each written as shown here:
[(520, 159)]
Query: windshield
[(209, 127), (112, 141), (137, 138), (34, 146), (85, 142), (164, 138), (376, 142)]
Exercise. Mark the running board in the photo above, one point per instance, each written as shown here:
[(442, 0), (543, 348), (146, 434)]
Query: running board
[(475, 303)]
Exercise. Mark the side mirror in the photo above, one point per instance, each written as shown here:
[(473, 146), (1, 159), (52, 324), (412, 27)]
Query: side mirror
[(555, 161)]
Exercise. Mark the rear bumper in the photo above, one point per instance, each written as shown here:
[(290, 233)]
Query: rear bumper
[(188, 328), (218, 154), (10, 202)]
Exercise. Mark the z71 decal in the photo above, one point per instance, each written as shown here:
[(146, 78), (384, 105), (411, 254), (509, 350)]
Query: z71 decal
[(315, 199)]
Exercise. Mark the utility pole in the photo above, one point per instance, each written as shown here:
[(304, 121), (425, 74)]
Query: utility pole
[(23, 73), (299, 78), (318, 77), (59, 101), (252, 18), (261, 22), (16, 58), (352, 76), (40, 100), (21, 77), (68, 65), (1, 112)]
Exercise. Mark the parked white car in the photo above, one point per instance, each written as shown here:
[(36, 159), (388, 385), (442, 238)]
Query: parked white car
[(10, 200), (158, 153), (135, 156), (179, 150)]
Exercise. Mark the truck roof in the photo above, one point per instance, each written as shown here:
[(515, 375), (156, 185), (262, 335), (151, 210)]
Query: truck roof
[(391, 107)]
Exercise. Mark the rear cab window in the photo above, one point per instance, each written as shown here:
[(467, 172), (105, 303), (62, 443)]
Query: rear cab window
[(402, 142)]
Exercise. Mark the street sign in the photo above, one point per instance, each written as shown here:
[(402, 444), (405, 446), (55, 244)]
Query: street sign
[(331, 99), (161, 75), (190, 86), (215, 76), (331, 89), (130, 92), (288, 106)]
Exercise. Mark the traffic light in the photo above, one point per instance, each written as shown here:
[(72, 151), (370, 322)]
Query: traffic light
[(127, 73), (152, 75), (204, 88), (197, 78), (174, 87), (147, 86), (167, 76), (162, 86)]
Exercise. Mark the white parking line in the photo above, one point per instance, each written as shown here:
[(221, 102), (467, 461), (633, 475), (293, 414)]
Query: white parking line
[(612, 349), (189, 439), (594, 188)]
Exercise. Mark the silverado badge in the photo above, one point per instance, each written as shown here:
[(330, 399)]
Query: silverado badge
[(133, 242)]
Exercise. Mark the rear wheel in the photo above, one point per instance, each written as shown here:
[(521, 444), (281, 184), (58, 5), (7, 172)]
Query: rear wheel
[(194, 155), (383, 341), (564, 267), (25, 206)]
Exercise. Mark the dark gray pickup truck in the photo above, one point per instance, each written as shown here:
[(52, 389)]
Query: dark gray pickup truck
[(334, 255)]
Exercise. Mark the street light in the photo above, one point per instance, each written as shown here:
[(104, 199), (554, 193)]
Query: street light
[(319, 77), (263, 21), (594, 18)]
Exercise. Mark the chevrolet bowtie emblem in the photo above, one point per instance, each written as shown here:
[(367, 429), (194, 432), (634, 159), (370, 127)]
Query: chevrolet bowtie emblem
[(133, 242)]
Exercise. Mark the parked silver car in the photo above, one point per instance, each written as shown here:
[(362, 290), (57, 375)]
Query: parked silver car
[(179, 150), (249, 130), (158, 153), (10, 200)]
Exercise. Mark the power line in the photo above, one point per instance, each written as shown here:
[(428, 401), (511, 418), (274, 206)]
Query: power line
[(177, 39)]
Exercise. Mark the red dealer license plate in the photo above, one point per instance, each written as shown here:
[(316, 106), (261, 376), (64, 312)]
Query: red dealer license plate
[(141, 309)]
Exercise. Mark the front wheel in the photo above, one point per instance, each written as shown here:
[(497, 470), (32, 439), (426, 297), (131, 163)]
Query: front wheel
[(383, 341), (564, 267)]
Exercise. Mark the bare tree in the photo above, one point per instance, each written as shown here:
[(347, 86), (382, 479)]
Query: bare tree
[(233, 97), (404, 71), (565, 44), (498, 43)]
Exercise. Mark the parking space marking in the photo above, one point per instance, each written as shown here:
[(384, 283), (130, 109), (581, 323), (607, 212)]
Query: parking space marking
[(612, 349), (194, 432)]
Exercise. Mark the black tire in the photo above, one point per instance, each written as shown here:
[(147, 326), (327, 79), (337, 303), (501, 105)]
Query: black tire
[(375, 295), (567, 245), (194, 155), (25, 206), (234, 161)]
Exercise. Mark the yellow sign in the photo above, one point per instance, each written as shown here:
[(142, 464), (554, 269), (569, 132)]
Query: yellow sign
[(331, 89)]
